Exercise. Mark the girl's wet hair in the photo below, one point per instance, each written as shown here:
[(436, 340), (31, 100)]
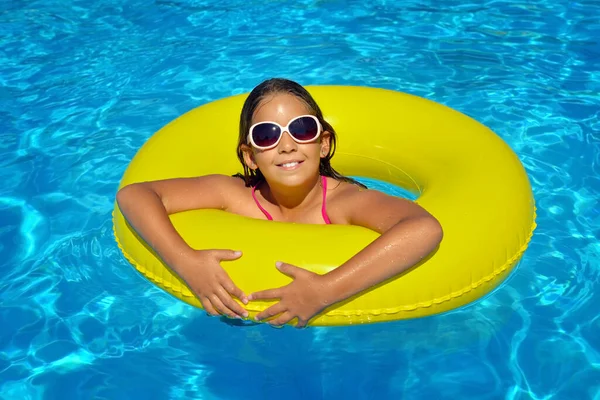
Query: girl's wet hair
[(275, 86)]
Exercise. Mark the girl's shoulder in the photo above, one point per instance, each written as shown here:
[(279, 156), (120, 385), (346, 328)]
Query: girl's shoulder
[(231, 191), (227, 183), (348, 203), (341, 197), (342, 190), (233, 181)]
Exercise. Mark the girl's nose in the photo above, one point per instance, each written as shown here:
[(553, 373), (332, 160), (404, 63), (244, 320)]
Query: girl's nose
[(287, 143)]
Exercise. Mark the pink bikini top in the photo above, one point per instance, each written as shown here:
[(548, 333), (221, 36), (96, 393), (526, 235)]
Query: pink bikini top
[(323, 206)]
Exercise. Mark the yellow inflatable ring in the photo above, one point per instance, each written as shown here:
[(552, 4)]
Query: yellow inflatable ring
[(463, 173)]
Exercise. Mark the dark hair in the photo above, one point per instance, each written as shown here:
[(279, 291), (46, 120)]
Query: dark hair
[(279, 85)]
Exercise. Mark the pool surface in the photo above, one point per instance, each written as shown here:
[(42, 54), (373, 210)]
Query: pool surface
[(84, 84)]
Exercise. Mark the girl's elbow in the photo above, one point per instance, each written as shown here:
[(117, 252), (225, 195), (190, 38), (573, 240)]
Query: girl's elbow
[(432, 229), (127, 193), (437, 230), (122, 197)]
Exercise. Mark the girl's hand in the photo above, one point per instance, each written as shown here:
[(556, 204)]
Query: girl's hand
[(208, 280), (303, 298)]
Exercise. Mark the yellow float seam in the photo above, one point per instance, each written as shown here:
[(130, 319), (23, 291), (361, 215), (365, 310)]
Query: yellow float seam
[(389, 165), (335, 313)]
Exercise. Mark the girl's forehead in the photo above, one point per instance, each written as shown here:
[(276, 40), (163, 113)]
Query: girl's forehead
[(280, 107)]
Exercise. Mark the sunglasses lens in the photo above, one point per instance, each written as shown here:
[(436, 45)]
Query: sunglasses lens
[(265, 135), (304, 128)]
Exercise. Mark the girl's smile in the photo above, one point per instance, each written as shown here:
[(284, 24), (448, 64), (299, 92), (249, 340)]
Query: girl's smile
[(290, 165)]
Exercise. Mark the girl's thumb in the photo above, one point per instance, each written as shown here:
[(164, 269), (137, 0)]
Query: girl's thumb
[(230, 254)]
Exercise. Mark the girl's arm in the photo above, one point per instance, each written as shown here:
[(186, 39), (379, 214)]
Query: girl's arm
[(147, 205), (408, 234)]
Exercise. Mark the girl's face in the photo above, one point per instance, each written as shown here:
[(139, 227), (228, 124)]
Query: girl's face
[(289, 163)]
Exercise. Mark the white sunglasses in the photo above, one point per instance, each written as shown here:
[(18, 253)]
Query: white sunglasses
[(267, 134)]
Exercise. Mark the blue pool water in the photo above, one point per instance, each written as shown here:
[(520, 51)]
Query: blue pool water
[(84, 83)]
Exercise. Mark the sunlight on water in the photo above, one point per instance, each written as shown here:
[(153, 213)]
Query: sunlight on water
[(84, 84)]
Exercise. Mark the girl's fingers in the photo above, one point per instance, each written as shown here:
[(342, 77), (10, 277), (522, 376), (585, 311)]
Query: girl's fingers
[(234, 290), (208, 307), (228, 302), (270, 312), (222, 308), (282, 319), (301, 323), (268, 294)]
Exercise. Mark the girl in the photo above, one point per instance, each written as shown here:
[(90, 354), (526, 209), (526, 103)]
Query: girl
[(285, 147)]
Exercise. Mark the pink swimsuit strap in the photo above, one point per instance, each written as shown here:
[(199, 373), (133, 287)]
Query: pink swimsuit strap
[(323, 206)]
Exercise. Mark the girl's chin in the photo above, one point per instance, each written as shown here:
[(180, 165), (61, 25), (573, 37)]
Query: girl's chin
[(291, 180)]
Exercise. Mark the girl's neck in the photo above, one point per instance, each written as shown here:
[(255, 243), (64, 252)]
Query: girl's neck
[(293, 198)]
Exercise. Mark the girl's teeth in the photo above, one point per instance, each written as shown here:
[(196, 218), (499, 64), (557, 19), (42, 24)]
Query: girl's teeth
[(287, 165)]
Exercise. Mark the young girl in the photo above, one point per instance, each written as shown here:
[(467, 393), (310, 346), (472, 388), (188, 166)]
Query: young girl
[(285, 147)]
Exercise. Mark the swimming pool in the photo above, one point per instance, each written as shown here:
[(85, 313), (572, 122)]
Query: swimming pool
[(84, 84)]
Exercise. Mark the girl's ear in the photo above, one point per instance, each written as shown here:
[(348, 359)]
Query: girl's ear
[(248, 156), (325, 143)]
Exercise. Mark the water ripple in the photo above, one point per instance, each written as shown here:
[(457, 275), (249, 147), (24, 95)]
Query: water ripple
[(82, 87)]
